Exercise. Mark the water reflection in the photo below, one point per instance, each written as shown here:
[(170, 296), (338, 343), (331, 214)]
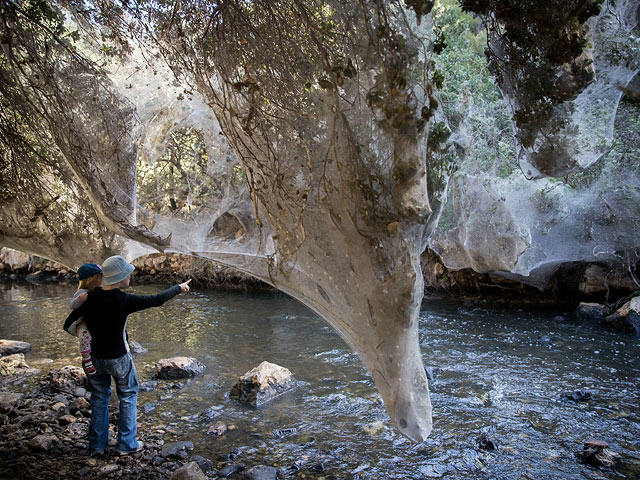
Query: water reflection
[(498, 367)]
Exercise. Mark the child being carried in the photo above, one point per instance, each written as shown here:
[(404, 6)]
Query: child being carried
[(90, 276)]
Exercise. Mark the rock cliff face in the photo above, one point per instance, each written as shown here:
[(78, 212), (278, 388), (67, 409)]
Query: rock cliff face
[(492, 221), (149, 268), (570, 283)]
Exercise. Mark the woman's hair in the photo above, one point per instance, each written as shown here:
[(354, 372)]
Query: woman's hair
[(91, 282)]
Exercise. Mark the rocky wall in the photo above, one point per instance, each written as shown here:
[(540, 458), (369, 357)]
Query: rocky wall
[(149, 268), (571, 282)]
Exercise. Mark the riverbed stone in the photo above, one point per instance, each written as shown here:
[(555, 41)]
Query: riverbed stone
[(487, 439), (9, 347), (137, 348), (577, 396), (149, 385), (432, 372), (212, 412), (176, 449), (44, 443), (589, 310), (190, 471), (109, 468), (14, 366), (205, 464), (218, 429), (8, 400), (261, 472), (626, 323), (79, 404), (179, 367), (67, 379), (262, 384), (231, 469), (67, 419), (596, 452)]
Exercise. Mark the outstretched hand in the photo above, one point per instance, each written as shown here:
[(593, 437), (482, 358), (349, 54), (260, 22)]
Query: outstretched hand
[(185, 286)]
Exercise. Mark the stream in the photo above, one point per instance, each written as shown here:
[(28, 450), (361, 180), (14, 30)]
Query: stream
[(499, 371)]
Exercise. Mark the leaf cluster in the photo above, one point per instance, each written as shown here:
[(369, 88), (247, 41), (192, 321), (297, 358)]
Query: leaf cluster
[(536, 52)]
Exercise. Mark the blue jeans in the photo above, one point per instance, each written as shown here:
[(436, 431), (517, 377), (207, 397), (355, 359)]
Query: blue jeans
[(125, 376)]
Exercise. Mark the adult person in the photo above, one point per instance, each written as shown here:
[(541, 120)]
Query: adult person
[(105, 313)]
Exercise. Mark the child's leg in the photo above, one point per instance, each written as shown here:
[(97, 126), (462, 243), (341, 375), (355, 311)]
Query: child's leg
[(85, 349)]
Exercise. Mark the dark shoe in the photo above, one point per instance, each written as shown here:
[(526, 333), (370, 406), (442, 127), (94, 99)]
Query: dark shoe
[(129, 452), (96, 453)]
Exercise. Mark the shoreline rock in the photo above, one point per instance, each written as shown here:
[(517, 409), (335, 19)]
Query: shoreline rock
[(626, 318), (9, 347), (13, 368)]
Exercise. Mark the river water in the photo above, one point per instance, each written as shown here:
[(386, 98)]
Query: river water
[(501, 371)]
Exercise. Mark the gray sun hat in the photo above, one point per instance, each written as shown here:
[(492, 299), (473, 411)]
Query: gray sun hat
[(115, 269)]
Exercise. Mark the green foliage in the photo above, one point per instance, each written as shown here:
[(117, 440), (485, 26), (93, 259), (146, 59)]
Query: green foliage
[(462, 62), (530, 46), (469, 93)]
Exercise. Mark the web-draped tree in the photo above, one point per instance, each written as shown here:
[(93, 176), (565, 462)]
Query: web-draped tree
[(290, 138)]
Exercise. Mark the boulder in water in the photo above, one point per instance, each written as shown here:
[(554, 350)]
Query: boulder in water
[(9, 347), (577, 396), (179, 367), (596, 311), (262, 384), (487, 439), (596, 452)]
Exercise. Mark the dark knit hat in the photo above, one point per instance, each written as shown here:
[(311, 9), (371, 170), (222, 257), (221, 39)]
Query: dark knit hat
[(87, 270)]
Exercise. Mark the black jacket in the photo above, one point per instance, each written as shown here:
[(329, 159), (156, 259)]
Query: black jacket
[(105, 312)]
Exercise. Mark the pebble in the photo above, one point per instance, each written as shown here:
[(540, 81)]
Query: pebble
[(231, 469), (218, 429), (112, 467), (577, 396)]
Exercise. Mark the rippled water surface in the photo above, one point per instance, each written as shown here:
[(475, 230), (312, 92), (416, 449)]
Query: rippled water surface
[(498, 370)]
